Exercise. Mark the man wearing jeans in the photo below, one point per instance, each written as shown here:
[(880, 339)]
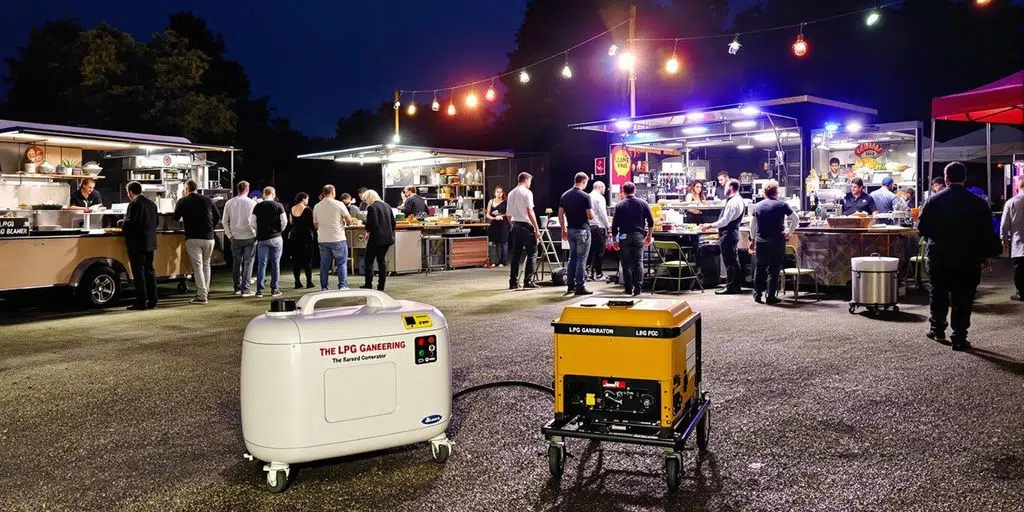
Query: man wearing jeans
[(632, 219), (242, 234), (525, 232), (599, 227), (574, 214), (329, 217), (270, 220), (199, 215)]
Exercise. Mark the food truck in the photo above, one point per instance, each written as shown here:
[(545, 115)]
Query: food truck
[(47, 242)]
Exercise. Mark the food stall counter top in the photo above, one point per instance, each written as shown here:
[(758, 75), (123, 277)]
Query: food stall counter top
[(887, 230)]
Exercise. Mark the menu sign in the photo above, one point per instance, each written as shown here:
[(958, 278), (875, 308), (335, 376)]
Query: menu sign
[(13, 226)]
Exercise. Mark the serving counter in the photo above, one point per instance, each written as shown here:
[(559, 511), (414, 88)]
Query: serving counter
[(828, 250), (464, 245)]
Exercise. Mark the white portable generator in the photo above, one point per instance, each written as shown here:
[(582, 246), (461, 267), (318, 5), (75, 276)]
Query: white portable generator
[(318, 384)]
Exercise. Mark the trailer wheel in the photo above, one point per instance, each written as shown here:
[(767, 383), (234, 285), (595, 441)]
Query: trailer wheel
[(440, 452), (556, 461), (99, 287), (673, 473), (277, 481), (704, 430)]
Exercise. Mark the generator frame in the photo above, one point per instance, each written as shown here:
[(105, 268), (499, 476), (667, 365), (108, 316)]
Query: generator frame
[(695, 420)]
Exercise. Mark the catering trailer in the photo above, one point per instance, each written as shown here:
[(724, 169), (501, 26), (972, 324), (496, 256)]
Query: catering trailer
[(48, 243)]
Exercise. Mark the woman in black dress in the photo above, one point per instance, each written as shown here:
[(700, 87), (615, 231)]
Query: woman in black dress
[(302, 239), (497, 233)]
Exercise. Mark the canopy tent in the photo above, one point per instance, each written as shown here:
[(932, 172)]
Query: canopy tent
[(1000, 102), (1006, 142)]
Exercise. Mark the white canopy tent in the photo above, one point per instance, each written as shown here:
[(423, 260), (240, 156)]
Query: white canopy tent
[(1006, 142)]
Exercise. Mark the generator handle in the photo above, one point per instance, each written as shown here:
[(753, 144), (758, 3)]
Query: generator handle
[(374, 299)]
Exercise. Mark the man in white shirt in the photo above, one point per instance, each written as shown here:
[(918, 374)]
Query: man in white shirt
[(728, 226), (242, 233), (525, 232), (1011, 230), (330, 217), (599, 227)]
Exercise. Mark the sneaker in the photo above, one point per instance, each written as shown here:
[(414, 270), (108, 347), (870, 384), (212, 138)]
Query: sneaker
[(513, 286), (298, 286), (531, 285), (1017, 297), (758, 298), (343, 287), (198, 300), (310, 285), (276, 293), (961, 345), (367, 286), (259, 295), (247, 294), (936, 335), (570, 290), (238, 292), (772, 300), (583, 291)]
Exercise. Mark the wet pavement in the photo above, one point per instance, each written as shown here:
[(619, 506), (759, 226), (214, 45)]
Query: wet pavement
[(814, 409)]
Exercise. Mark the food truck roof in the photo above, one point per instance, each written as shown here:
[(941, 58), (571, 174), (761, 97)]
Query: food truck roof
[(409, 155), (20, 132)]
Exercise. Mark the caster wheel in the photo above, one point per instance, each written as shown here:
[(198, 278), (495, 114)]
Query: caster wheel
[(182, 287), (853, 309), (874, 312), (895, 309), (440, 452), (277, 481), (556, 461), (704, 430), (673, 473)]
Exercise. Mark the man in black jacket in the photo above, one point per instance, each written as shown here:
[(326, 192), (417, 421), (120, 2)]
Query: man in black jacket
[(139, 227), (958, 227), (380, 231)]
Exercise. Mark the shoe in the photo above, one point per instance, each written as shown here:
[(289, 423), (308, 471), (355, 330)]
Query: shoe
[(276, 293), (582, 291), (198, 300), (636, 292), (367, 286), (772, 300), (135, 307), (1017, 297), (961, 345), (726, 291), (343, 287), (298, 285), (151, 306), (530, 285), (758, 298), (247, 294), (309, 285), (571, 290), (238, 292), (259, 295), (936, 335), (500, 265)]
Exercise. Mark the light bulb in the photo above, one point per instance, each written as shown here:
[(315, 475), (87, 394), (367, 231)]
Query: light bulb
[(800, 46), (490, 94), (734, 47), (982, 2), (672, 65), (471, 100), (627, 61), (854, 127), (872, 18), (524, 77), (396, 139), (612, 50), (744, 146), (451, 109), (398, 104), (566, 71), (411, 109), (435, 106)]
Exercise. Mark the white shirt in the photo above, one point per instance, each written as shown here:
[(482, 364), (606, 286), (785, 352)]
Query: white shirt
[(520, 204), (794, 222), (327, 216), (1011, 228), (600, 206), (733, 210), (237, 221)]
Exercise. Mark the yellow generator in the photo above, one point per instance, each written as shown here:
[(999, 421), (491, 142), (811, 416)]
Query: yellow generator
[(629, 371)]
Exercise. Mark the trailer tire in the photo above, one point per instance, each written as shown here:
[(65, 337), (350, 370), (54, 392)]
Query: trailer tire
[(673, 473), (99, 287), (704, 430), (556, 461)]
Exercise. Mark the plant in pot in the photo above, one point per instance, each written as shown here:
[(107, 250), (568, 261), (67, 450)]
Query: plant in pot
[(66, 166)]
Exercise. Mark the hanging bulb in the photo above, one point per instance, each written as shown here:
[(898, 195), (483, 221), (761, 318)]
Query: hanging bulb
[(982, 2), (451, 109), (490, 94), (524, 77), (612, 50), (672, 65), (471, 100), (436, 105), (566, 71), (627, 61), (398, 104), (800, 46), (734, 46), (872, 18), (411, 109)]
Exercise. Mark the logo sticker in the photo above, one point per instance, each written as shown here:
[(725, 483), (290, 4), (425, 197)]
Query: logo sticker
[(430, 420), (417, 321)]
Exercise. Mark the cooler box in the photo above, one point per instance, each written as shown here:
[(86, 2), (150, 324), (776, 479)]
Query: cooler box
[(324, 383)]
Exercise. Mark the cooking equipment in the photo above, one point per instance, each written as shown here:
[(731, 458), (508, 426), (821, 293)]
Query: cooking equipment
[(875, 284)]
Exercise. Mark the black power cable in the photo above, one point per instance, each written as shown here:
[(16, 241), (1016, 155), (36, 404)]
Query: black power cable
[(504, 383)]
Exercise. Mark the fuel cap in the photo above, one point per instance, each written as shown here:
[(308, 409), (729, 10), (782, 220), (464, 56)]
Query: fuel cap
[(282, 305)]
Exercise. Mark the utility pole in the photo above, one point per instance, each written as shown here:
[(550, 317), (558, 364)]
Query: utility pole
[(398, 95), (631, 46)]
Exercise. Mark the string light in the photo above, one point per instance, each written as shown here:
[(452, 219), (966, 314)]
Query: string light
[(411, 109), (734, 46), (627, 61), (490, 94), (451, 104), (524, 77), (566, 70), (471, 100), (672, 64), (800, 45), (612, 50), (398, 104), (436, 105), (872, 18), (982, 2)]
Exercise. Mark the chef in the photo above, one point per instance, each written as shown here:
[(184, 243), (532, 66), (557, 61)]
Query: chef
[(857, 200), (412, 204), (87, 197)]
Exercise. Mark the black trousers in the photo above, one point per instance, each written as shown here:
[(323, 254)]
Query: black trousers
[(1018, 274), (144, 276), (378, 253), (769, 256), (302, 260), (729, 241), (953, 286), (524, 244), (598, 238), (631, 252)]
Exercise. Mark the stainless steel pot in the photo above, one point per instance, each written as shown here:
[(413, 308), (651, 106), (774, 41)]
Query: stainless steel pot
[(875, 280)]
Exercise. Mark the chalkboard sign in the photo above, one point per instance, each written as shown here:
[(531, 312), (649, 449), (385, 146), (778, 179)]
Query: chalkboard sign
[(13, 226)]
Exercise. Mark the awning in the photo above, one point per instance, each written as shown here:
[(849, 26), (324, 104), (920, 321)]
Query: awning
[(1001, 101), (410, 155), (19, 132)]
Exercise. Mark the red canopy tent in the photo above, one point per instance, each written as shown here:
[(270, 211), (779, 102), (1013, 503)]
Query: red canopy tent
[(999, 102)]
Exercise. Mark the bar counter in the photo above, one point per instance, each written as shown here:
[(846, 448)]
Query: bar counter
[(828, 250)]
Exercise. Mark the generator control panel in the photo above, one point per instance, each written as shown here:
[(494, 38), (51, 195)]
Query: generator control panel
[(613, 399), (426, 349)]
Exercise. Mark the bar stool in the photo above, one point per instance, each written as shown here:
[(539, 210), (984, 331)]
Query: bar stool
[(795, 273), (917, 264)]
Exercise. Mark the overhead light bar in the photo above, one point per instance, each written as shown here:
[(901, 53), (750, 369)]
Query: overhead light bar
[(67, 141), (744, 147), (695, 130), (750, 123)]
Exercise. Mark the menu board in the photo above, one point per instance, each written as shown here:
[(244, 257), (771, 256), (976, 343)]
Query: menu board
[(13, 226)]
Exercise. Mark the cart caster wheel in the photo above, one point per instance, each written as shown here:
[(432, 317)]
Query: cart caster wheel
[(277, 481), (853, 309), (704, 430), (556, 461), (895, 309), (440, 452), (673, 473), (874, 312), (182, 287)]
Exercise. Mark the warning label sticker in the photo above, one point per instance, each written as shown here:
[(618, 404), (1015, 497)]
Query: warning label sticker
[(417, 321)]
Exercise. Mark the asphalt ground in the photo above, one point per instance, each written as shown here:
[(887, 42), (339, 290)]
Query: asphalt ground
[(814, 409)]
